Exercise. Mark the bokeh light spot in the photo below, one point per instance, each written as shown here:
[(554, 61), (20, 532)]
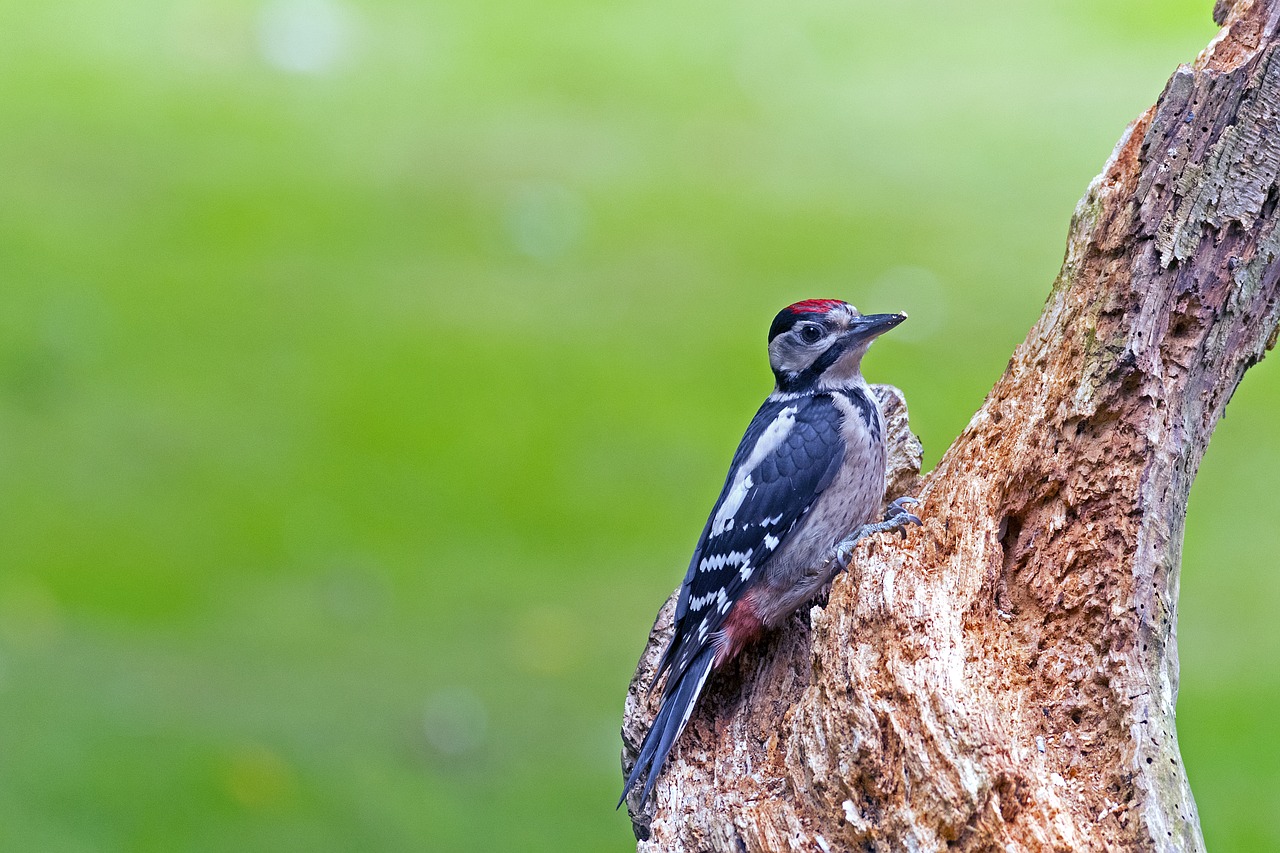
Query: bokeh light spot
[(306, 36), (257, 777), (30, 617), (455, 721), (546, 641), (916, 290), (545, 220)]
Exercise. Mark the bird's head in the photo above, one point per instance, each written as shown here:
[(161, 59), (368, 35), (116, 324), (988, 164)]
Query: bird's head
[(819, 343)]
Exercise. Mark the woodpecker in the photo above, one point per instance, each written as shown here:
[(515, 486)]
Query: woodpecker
[(810, 469)]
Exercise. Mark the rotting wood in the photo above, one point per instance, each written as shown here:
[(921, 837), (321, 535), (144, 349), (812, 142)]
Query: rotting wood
[(1005, 677)]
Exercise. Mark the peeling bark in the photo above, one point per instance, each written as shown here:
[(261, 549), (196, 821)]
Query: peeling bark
[(1006, 676)]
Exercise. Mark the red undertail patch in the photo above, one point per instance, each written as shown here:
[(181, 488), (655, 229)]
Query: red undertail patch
[(741, 627)]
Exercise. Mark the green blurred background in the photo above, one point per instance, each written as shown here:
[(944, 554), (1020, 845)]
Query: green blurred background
[(367, 371)]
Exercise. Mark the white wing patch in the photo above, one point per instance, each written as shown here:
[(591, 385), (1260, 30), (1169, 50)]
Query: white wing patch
[(732, 502), (716, 562), (769, 440), (700, 601), (771, 541), (722, 601)]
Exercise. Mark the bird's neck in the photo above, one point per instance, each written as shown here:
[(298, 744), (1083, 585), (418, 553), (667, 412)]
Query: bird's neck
[(792, 386)]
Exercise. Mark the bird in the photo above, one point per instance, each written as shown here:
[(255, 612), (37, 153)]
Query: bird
[(805, 483)]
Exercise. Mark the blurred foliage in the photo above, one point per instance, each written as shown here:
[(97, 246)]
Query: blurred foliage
[(367, 371)]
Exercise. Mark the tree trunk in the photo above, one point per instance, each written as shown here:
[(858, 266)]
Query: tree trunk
[(1005, 676)]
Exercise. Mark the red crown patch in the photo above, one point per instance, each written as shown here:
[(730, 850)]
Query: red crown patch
[(814, 306)]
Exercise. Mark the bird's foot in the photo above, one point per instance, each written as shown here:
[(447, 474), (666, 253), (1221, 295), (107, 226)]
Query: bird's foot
[(896, 517)]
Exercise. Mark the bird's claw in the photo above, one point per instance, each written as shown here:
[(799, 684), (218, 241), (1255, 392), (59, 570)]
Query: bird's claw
[(899, 516), (844, 551), (896, 517)]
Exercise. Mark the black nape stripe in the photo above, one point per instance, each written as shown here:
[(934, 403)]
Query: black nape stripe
[(866, 409), (807, 378)]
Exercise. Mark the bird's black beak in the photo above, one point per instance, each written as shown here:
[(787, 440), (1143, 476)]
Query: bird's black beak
[(871, 326)]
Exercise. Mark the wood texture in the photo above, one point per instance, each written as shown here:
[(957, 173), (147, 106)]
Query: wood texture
[(1005, 677)]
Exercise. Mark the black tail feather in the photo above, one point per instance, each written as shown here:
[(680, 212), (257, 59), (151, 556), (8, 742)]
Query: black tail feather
[(677, 707)]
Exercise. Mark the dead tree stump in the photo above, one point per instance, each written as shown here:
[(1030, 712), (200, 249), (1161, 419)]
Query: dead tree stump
[(1005, 677)]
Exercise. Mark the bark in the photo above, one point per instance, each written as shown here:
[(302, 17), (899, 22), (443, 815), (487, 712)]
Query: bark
[(1006, 676)]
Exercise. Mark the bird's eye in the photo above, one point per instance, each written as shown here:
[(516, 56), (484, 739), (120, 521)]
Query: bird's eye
[(810, 334)]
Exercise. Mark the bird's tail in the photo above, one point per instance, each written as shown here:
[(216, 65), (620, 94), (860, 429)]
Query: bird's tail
[(677, 707)]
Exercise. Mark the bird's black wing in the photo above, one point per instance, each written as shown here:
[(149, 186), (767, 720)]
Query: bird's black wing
[(789, 456)]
